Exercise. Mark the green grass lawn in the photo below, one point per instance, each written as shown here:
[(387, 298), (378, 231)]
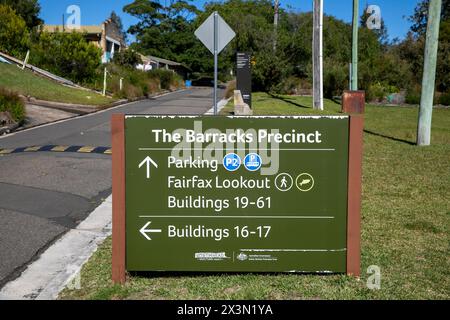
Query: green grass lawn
[(405, 225), (27, 83)]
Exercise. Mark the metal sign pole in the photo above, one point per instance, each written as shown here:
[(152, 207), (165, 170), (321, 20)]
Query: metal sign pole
[(216, 40)]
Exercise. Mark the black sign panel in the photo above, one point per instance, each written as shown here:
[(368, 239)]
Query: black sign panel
[(244, 76)]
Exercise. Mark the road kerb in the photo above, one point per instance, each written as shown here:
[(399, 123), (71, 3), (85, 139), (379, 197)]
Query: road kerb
[(45, 278)]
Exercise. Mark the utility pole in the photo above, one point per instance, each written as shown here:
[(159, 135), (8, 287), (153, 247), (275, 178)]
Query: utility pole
[(318, 55), (429, 73), (275, 23), (354, 78), (104, 82)]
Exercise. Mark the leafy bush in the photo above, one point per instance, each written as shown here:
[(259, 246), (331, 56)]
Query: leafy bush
[(169, 80), (269, 71), (296, 86), (68, 55), (413, 95), (127, 58), (11, 102), (335, 79), (444, 99), (13, 32), (136, 83), (379, 91)]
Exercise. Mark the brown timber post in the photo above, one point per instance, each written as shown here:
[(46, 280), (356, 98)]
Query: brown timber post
[(353, 102), (354, 195), (118, 198)]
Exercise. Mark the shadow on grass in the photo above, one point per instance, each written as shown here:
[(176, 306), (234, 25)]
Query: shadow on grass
[(288, 101), (390, 138)]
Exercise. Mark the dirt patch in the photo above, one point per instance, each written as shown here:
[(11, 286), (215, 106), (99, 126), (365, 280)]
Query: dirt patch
[(37, 115)]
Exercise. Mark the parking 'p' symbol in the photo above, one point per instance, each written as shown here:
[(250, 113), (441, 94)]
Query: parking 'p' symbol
[(232, 162)]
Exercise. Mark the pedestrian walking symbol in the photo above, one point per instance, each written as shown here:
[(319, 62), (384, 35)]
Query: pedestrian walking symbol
[(284, 182), (252, 162)]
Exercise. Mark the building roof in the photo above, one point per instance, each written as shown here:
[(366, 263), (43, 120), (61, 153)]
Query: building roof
[(86, 29), (164, 61)]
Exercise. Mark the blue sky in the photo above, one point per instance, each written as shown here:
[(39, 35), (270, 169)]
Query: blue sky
[(394, 12)]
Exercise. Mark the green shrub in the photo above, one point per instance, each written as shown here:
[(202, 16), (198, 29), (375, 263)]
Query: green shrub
[(335, 79), (11, 102), (413, 95), (379, 91), (14, 36), (444, 99), (127, 58), (136, 83), (168, 79), (68, 55)]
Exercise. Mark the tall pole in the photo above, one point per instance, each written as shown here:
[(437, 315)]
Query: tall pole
[(216, 41), (429, 73), (318, 55), (275, 23), (104, 82), (354, 86)]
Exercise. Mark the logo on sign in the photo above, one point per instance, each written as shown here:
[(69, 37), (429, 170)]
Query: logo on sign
[(252, 162), (232, 162), (242, 257)]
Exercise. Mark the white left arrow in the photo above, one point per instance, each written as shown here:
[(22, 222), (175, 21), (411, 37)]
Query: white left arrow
[(149, 162), (144, 231)]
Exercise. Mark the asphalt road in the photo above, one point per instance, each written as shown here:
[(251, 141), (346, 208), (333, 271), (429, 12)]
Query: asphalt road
[(44, 194)]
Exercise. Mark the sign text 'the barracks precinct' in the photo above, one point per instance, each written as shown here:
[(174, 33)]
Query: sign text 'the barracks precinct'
[(236, 194)]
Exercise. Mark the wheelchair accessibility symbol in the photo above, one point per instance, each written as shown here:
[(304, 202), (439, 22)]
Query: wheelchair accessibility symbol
[(252, 162)]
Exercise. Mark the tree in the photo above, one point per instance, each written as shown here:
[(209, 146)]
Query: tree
[(418, 29), (67, 55), (252, 20), (164, 31), (27, 9), (127, 58), (14, 36), (420, 16), (118, 21)]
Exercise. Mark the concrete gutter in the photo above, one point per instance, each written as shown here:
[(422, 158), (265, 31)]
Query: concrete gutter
[(67, 107), (61, 263), (220, 105), (83, 109)]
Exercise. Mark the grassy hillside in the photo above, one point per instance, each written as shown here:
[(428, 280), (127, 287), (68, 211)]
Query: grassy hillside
[(405, 224), (27, 83)]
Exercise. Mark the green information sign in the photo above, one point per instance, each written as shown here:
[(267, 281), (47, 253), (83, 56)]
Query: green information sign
[(225, 194)]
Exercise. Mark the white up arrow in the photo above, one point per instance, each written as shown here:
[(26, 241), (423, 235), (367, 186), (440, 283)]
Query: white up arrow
[(149, 161), (144, 231)]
